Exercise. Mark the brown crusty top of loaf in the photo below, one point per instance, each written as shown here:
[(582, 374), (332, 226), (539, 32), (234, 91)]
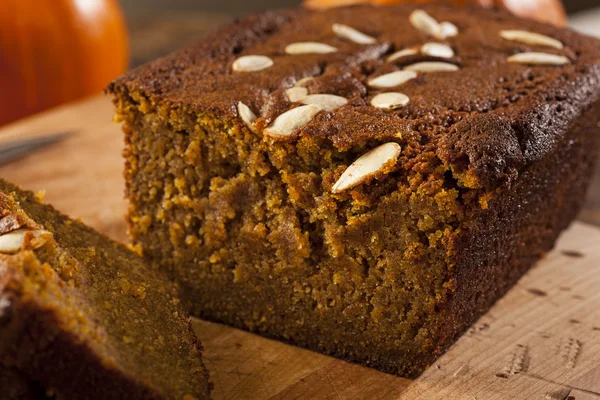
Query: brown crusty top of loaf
[(488, 120)]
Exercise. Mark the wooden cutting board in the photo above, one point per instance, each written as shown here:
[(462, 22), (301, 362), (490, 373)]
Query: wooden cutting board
[(541, 341)]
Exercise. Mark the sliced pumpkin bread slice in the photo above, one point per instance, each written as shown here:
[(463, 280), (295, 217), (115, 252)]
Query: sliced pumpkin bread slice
[(83, 315)]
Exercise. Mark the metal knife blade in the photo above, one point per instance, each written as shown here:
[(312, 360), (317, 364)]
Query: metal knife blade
[(15, 149)]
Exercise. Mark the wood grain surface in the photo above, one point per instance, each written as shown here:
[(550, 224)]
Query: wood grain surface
[(541, 341)]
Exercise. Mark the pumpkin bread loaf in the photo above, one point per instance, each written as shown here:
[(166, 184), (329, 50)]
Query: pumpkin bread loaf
[(362, 181), (83, 316)]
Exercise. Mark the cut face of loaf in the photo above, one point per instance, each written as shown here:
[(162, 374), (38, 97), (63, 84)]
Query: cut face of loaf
[(362, 181), (83, 315)]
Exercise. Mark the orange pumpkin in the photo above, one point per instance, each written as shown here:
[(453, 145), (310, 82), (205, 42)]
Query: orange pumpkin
[(551, 11), (55, 51)]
